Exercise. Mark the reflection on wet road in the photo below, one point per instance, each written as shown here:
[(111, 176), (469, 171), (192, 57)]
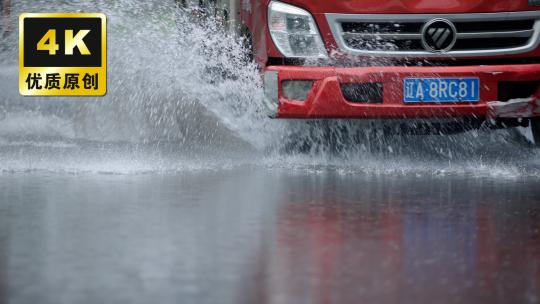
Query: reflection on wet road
[(269, 236)]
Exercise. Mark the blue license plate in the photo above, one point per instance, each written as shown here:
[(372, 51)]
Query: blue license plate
[(417, 90)]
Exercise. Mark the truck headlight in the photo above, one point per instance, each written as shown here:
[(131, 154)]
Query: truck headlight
[(294, 31)]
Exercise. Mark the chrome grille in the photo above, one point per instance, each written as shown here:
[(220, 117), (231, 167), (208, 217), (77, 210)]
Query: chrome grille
[(485, 34)]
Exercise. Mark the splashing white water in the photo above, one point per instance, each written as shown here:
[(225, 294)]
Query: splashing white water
[(164, 82)]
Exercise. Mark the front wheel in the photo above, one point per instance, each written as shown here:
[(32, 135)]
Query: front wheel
[(535, 127)]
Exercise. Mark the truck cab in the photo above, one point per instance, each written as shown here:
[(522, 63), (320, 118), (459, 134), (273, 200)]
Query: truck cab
[(399, 59)]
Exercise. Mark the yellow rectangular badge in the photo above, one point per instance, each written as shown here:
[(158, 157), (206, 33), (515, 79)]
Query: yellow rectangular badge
[(62, 54)]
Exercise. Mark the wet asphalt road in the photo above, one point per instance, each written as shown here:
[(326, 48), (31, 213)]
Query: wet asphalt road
[(268, 236)]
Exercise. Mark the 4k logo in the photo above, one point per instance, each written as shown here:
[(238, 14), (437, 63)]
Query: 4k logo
[(62, 54)]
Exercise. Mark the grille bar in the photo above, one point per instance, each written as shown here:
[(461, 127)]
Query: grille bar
[(394, 36), (407, 36), (520, 34), (400, 35)]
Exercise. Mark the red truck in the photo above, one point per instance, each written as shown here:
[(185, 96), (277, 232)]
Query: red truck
[(395, 59)]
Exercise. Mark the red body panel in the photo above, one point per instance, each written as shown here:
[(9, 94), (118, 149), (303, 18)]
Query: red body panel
[(326, 99), (412, 6), (254, 16)]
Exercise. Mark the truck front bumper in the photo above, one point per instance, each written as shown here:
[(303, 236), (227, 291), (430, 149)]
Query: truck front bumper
[(326, 98)]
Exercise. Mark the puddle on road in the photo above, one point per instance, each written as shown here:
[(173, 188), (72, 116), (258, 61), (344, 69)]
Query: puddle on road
[(283, 238)]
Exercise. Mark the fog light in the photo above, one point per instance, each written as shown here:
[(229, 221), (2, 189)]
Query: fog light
[(297, 89)]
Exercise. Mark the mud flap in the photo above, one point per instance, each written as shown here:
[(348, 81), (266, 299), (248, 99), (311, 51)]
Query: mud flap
[(527, 108), (517, 108)]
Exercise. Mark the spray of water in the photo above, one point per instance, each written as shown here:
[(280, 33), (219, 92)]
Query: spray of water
[(164, 80), (183, 83)]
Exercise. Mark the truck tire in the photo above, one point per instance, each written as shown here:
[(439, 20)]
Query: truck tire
[(535, 127)]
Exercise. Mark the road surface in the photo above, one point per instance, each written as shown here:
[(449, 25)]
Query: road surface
[(256, 235)]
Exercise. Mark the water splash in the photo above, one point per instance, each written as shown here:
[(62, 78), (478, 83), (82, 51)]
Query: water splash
[(161, 85)]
